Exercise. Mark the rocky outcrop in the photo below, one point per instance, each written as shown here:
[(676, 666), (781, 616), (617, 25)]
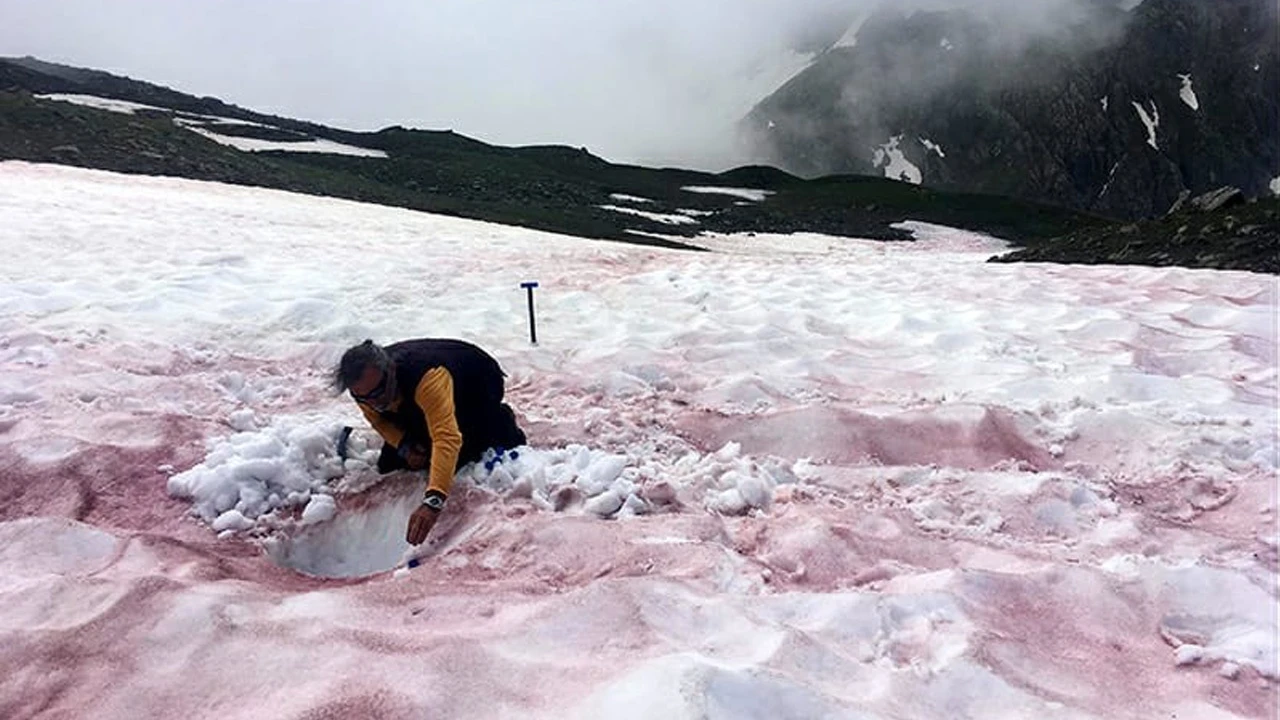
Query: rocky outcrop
[(1218, 230)]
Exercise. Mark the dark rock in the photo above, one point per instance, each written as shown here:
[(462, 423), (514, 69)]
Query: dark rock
[(1222, 197), (70, 151)]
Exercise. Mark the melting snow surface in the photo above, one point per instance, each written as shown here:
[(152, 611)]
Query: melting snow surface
[(796, 476), (932, 146)]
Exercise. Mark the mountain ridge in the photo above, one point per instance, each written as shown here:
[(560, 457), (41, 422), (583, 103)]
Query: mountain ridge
[(545, 187)]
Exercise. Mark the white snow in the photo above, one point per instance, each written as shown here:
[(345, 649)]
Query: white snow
[(745, 193), (945, 44), (257, 472), (246, 144), (100, 103), (249, 144), (1275, 185), (794, 476), (656, 217), (932, 146), (130, 108), (1150, 120), (321, 508), (896, 165), (1105, 103), (850, 37), (1187, 94), (622, 197), (1111, 175)]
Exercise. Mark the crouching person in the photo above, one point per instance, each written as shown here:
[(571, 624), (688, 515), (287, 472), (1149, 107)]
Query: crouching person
[(438, 405)]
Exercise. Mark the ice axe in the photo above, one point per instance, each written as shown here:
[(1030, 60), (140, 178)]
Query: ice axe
[(533, 331)]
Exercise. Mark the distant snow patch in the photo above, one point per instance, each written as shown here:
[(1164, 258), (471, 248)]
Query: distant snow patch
[(695, 213), (656, 236), (129, 108), (99, 103), (1152, 121), (1188, 95), (620, 197), (945, 44), (747, 193), (1275, 185), (896, 165), (656, 217), (1110, 176), (932, 146), (850, 37), (248, 144), (1105, 104)]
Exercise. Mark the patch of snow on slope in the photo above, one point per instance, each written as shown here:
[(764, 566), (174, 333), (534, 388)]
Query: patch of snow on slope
[(623, 197), (248, 144), (896, 165), (1187, 94), (656, 217), (745, 193), (850, 37), (1151, 121), (100, 103)]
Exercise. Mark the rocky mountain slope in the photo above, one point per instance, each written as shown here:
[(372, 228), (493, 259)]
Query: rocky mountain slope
[(1109, 111)]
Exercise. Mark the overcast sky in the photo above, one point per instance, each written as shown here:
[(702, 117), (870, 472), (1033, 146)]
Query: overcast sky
[(657, 81)]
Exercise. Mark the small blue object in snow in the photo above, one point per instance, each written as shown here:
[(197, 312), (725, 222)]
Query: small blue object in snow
[(498, 453)]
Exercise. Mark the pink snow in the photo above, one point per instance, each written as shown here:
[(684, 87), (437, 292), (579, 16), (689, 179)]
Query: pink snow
[(872, 480)]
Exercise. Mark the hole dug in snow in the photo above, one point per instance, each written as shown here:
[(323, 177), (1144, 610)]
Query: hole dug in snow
[(364, 537)]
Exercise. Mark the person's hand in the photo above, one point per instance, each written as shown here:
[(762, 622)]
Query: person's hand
[(420, 524), (416, 458)]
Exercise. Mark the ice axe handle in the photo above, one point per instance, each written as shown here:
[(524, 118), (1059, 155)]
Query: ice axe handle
[(533, 331)]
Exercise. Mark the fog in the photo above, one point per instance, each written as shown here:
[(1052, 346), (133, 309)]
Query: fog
[(656, 82)]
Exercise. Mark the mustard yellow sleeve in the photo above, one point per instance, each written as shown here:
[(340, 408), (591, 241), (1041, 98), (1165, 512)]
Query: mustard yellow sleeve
[(387, 429), (435, 396)]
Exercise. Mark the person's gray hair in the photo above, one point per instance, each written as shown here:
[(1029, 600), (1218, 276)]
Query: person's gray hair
[(355, 360)]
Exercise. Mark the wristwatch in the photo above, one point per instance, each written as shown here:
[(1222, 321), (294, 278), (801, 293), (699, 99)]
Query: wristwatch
[(434, 499)]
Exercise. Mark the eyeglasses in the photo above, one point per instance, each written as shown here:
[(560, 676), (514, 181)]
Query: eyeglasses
[(376, 393)]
